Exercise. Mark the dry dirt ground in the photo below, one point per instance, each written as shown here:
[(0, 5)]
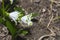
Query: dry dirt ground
[(48, 25)]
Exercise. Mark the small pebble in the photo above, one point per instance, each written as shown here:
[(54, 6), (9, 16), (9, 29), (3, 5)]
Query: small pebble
[(54, 10), (43, 10)]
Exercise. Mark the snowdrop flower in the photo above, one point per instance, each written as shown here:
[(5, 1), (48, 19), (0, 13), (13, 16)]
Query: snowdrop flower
[(14, 16), (24, 19), (27, 19)]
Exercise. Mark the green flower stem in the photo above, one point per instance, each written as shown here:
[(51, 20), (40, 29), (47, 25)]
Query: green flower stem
[(6, 14), (3, 10)]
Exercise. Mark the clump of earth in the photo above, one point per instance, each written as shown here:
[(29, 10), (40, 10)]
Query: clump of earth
[(4, 33)]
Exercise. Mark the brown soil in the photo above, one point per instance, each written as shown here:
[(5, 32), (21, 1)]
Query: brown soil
[(48, 25)]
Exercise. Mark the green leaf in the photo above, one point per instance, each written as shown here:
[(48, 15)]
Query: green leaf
[(23, 32), (19, 9), (1, 20), (20, 16), (11, 28), (1, 12)]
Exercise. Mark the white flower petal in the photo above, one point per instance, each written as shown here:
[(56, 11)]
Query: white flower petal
[(24, 19), (14, 15), (27, 19)]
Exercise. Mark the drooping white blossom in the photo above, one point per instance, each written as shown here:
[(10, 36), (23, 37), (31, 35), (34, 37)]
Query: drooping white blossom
[(27, 19), (14, 16)]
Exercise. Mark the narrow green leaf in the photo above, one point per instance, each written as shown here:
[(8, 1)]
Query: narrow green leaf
[(11, 27), (1, 20), (18, 9), (23, 32)]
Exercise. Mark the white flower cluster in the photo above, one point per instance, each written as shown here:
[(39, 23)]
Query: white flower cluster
[(25, 19)]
